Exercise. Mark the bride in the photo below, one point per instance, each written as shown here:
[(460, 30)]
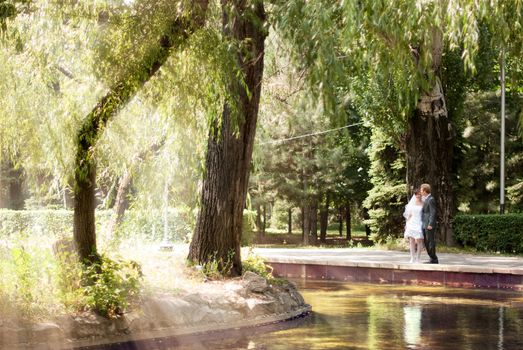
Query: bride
[(413, 231)]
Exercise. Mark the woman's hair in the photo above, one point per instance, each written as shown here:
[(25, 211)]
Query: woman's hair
[(417, 192)]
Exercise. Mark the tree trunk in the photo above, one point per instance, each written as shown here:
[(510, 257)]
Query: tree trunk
[(306, 223), (12, 195), (258, 218), (107, 107), (324, 219), (314, 221), (121, 202), (229, 150), (348, 223), (289, 221), (264, 226), (429, 147), (340, 218)]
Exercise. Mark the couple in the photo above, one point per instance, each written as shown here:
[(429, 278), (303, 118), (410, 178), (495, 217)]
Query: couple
[(421, 214)]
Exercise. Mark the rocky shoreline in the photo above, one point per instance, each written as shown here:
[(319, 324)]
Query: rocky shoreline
[(249, 301)]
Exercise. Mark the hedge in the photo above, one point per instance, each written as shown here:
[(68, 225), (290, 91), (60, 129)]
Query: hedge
[(146, 225), (56, 223), (490, 233)]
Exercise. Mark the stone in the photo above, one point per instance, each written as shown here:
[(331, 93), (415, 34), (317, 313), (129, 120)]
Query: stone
[(46, 332), (254, 283)]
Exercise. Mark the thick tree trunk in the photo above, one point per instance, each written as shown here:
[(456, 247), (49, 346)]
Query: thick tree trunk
[(348, 223), (324, 219), (229, 150), (107, 107), (429, 147)]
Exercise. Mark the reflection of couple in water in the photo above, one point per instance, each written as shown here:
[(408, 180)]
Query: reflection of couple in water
[(421, 214)]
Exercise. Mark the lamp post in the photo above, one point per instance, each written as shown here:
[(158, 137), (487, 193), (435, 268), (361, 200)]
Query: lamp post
[(502, 146)]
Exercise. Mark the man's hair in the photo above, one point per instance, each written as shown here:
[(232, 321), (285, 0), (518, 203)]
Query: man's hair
[(425, 187)]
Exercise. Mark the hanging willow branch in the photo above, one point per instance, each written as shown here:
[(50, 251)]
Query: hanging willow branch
[(118, 96)]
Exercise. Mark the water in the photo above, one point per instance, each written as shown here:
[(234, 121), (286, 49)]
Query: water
[(365, 316)]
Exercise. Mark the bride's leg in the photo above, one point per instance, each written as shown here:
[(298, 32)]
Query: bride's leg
[(419, 244), (412, 246)]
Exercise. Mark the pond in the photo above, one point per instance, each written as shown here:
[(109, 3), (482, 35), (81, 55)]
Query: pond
[(369, 316)]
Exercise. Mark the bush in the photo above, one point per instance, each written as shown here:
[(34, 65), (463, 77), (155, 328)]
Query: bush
[(386, 208), (255, 263), (148, 225), (249, 227), (492, 233), (111, 285)]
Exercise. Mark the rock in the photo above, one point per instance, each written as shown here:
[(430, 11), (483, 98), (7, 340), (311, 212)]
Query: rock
[(254, 283), (166, 312), (46, 332), (89, 325)]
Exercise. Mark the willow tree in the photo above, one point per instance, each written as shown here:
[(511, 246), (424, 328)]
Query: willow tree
[(230, 144), (176, 30), (400, 45)]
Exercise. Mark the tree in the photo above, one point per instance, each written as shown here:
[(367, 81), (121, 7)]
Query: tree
[(231, 139), (175, 34), (401, 45)]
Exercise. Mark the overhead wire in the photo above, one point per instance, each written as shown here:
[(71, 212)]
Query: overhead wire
[(308, 135)]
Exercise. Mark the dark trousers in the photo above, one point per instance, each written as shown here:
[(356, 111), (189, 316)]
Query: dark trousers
[(430, 244)]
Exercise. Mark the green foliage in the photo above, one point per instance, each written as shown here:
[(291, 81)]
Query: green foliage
[(255, 263), (387, 199), (216, 269), (249, 226), (490, 233), (110, 286), (478, 155), (27, 290), (145, 225)]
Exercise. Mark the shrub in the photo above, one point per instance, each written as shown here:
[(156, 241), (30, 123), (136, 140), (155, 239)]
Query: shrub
[(493, 233), (255, 263), (249, 227), (111, 285), (148, 225), (386, 208)]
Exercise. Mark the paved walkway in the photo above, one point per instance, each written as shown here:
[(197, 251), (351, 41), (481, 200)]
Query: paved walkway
[(390, 259)]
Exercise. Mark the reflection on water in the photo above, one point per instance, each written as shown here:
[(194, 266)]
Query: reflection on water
[(412, 330), (363, 316)]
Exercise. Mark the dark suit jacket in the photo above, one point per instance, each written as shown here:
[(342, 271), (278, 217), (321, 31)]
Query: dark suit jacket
[(429, 213)]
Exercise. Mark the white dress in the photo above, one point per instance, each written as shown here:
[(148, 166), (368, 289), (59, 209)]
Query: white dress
[(413, 227)]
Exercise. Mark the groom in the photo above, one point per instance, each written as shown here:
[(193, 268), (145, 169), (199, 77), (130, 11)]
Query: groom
[(429, 215)]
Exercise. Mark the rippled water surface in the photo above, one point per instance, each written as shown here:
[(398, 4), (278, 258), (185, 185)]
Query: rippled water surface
[(364, 316)]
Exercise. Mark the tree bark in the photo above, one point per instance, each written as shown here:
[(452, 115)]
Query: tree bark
[(289, 221), (306, 223), (229, 150), (107, 107), (314, 221), (348, 223), (429, 147), (12, 195), (258, 218), (121, 202), (340, 218), (264, 226), (324, 219)]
